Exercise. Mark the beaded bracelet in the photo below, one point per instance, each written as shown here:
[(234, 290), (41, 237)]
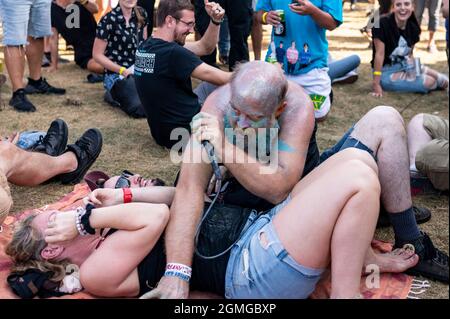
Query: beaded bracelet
[(80, 212)]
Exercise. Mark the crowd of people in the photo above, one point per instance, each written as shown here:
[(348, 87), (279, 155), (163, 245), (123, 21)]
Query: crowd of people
[(255, 224)]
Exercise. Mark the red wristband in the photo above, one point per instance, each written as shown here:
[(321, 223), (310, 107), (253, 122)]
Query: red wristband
[(127, 195)]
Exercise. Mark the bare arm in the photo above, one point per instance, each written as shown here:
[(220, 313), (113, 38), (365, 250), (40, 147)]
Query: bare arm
[(129, 217), (377, 66), (109, 197), (273, 181), (99, 56), (207, 43), (322, 18), (211, 74)]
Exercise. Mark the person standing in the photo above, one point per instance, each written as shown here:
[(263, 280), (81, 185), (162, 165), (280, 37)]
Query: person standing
[(240, 15), (149, 7), (305, 23), (434, 6), (25, 24)]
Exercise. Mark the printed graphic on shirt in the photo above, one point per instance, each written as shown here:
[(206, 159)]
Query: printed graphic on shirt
[(317, 100), (305, 56), (401, 52), (145, 62), (292, 58), (280, 53)]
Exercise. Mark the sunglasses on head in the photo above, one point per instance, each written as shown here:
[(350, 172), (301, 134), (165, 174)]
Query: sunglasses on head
[(124, 181)]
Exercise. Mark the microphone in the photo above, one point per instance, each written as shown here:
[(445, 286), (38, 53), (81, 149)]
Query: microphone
[(212, 158)]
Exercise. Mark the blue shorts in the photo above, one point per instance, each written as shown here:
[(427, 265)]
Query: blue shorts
[(346, 142), (23, 18), (402, 85), (29, 139), (255, 272)]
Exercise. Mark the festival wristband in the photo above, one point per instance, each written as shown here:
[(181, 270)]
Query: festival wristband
[(179, 268), (172, 273), (127, 195), (377, 73), (122, 69), (264, 17)]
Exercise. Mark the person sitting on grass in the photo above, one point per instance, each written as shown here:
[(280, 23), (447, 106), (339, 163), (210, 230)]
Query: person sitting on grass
[(428, 152), (394, 67), (338, 233), (50, 158), (165, 64), (119, 33)]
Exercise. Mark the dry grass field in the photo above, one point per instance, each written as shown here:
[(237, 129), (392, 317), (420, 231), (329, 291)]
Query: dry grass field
[(128, 144)]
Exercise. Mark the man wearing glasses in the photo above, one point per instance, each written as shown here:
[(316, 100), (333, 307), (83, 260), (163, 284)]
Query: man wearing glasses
[(164, 66)]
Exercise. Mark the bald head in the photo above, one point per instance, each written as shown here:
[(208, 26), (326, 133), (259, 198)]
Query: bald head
[(259, 86)]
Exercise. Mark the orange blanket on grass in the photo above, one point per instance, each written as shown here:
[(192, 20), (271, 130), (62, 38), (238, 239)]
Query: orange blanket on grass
[(392, 286)]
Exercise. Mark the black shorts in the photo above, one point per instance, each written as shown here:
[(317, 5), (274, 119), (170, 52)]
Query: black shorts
[(151, 269), (83, 61)]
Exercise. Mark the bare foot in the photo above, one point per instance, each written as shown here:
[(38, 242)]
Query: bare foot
[(399, 260)]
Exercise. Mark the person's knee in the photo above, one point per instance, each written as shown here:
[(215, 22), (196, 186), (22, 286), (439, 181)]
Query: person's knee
[(363, 178), (388, 118)]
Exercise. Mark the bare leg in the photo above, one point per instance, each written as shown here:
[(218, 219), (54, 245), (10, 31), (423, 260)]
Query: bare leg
[(431, 42), (313, 231), (15, 63), (29, 168), (382, 130), (111, 270), (417, 137), (35, 51)]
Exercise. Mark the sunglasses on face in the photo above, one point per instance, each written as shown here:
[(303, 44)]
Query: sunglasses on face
[(124, 181)]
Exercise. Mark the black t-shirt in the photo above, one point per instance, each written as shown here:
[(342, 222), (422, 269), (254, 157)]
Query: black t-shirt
[(398, 42), (163, 80), (122, 40), (81, 38)]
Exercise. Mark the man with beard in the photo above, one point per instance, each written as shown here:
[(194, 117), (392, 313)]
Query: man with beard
[(164, 66), (260, 99)]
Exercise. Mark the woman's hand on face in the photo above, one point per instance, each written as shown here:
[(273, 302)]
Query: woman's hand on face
[(61, 227), (104, 197)]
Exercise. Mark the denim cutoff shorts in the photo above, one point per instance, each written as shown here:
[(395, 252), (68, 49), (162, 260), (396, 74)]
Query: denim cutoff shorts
[(255, 272), (402, 85), (346, 142), (23, 18)]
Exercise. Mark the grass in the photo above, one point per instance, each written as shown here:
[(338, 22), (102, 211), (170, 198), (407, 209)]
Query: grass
[(128, 144)]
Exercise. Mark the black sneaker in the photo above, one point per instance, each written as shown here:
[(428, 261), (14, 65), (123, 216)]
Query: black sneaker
[(432, 264), (55, 141), (42, 87), (20, 102), (422, 215), (86, 149)]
